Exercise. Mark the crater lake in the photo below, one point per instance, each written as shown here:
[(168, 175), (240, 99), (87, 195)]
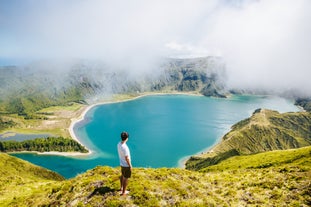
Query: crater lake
[(163, 129)]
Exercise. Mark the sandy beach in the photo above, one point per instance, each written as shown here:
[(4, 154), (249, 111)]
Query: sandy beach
[(73, 135), (69, 154)]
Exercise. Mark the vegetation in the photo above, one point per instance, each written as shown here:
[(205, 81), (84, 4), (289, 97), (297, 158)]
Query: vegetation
[(304, 103), (277, 178), (26, 90), (58, 144), (4, 124), (266, 130), (238, 172), (20, 179), (197, 162)]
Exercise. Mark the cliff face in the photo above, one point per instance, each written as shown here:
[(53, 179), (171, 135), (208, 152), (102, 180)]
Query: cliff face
[(268, 130), (203, 75), (265, 130), (305, 103)]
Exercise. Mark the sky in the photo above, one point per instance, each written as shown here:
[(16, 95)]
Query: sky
[(264, 43)]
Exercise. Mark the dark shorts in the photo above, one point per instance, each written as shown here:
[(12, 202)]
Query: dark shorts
[(126, 172)]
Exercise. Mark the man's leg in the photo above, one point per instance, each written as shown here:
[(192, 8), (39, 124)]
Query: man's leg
[(121, 183), (124, 185)]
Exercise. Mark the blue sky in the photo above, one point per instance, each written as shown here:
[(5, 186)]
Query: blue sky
[(261, 41)]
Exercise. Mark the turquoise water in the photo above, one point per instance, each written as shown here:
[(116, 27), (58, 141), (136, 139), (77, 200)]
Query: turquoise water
[(163, 129), (21, 137)]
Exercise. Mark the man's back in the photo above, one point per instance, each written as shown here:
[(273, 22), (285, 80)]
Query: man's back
[(123, 151)]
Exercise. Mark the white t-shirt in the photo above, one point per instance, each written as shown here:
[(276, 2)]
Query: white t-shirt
[(123, 151)]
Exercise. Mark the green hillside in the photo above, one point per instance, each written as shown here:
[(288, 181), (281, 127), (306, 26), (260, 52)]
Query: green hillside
[(277, 178), (265, 130), (20, 179), (268, 130), (26, 90)]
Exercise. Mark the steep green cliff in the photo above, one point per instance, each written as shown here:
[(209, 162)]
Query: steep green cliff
[(268, 130), (305, 103), (265, 130)]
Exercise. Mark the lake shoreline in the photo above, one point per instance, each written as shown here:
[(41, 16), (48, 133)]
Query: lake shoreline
[(206, 121), (78, 117), (81, 117), (66, 154)]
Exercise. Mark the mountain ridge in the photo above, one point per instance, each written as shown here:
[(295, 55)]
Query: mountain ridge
[(265, 130)]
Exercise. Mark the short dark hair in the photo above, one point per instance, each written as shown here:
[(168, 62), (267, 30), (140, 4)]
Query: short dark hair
[(124, 135)]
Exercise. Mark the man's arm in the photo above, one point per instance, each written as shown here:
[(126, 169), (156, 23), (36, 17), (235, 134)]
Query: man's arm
[(128, 161)]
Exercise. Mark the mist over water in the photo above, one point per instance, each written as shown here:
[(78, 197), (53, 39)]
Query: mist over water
[(163, 129)]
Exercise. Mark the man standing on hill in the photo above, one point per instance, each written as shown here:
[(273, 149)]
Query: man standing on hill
[(125, 162)]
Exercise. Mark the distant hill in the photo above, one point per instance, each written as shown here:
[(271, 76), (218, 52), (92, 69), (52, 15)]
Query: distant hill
[(24, 90), (265, 130), (277, 178)]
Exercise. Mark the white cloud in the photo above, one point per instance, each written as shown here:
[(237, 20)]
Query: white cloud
[(187, 50), (265, 43)]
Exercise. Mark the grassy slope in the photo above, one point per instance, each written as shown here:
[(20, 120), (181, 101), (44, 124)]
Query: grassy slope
[(268, 130), (20, 179), (265, 130), (278, 178)]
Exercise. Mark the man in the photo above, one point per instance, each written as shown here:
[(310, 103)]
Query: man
[(125, 162)]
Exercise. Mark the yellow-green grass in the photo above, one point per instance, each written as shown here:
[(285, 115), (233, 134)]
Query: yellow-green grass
[(57, 121), (267, 130), (70, 107), (267, 159), (239, 182), (20, 179)]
